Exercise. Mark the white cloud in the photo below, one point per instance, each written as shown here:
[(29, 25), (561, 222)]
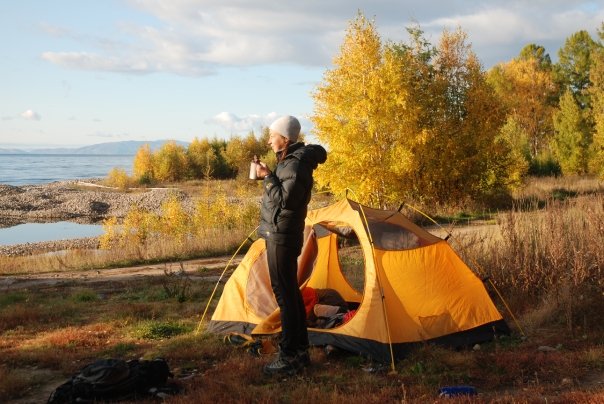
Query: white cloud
[(90, 61), (195, 37), (31, 115), (242, 125), (490, 27)]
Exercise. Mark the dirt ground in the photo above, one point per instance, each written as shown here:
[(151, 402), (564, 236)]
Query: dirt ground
[(190, 267)]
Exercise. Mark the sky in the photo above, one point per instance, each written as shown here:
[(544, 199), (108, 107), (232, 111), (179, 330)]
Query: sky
[(76, 73)]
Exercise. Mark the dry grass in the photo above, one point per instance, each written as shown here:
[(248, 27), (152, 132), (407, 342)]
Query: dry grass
[(547, 256), (544, 188), (155, 250), (546, 261), (13, 383), (132, 319)]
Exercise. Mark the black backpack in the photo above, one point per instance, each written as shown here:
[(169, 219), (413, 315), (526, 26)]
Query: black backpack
[(113, 379)]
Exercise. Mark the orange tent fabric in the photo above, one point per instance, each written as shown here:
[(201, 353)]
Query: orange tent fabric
[(416, 288)]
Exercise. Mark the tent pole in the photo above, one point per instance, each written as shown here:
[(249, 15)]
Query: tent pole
[(383, 299), (220, 278), (377, 274)]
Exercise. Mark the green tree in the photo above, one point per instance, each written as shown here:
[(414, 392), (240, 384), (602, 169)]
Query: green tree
[(221, 167), (577, 58), (538, 53), (572, 69), (572, 139)]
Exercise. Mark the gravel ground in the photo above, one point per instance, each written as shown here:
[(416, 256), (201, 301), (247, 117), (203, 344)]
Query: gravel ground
[(14, 250), (78, 201), (73, 199)]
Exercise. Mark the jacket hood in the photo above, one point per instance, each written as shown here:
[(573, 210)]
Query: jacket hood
[(312, 154)]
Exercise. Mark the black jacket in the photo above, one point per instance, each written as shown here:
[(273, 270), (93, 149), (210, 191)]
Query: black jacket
[(287, 193)]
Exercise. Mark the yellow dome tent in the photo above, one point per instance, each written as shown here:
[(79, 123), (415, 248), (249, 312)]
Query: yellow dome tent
[(416, 288)]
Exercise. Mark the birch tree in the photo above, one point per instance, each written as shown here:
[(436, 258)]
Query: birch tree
[(364, 116)]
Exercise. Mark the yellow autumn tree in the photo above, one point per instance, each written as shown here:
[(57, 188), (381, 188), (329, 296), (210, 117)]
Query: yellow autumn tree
[(111, 233), (201, 158), (236, 156), (411, 121), (118, 177), (527, 89), (596, 163), (137, 227), (142, 168), (462, 158), (170, 162), (365, 117), (514, 135), (240, 151), (174, 221)]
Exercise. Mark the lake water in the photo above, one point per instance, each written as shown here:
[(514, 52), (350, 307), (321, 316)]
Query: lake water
[(35, 232), (23, 169)]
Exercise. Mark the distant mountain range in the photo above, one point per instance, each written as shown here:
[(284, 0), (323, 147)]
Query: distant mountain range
[(128, 148)]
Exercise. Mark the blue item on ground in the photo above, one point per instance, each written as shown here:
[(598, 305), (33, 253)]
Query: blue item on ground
[(452, 391)]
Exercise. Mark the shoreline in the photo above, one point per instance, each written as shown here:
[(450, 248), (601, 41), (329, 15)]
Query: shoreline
[(44, 247), (74, 199), (80, 201)]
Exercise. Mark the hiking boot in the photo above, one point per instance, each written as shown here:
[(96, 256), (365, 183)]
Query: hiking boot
[(303, 359), (282, 366)]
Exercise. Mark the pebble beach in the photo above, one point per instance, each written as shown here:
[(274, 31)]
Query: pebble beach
[(79, 201)]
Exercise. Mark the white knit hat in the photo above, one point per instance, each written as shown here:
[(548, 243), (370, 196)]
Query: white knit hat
[(287, 126)]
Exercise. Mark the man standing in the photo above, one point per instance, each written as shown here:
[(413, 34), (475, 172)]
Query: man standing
[(285, 200)]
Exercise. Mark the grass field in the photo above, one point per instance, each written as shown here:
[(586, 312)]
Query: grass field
[(546, 261)]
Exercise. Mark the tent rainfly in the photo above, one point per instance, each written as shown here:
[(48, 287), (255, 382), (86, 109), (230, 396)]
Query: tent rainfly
[(416, 288)]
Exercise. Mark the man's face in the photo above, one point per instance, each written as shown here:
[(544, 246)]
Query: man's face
[(276, 141)]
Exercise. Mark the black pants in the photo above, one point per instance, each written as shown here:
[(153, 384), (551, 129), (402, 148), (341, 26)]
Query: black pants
[(283, 268)]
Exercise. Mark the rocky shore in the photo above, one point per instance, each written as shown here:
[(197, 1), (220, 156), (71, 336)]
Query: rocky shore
[(42, 247), (84, 202)]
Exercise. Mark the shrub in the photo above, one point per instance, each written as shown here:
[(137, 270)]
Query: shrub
[(173, 220), (118, 178)]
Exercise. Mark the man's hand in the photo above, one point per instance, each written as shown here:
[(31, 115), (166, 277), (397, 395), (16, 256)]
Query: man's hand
[(262, 170)]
